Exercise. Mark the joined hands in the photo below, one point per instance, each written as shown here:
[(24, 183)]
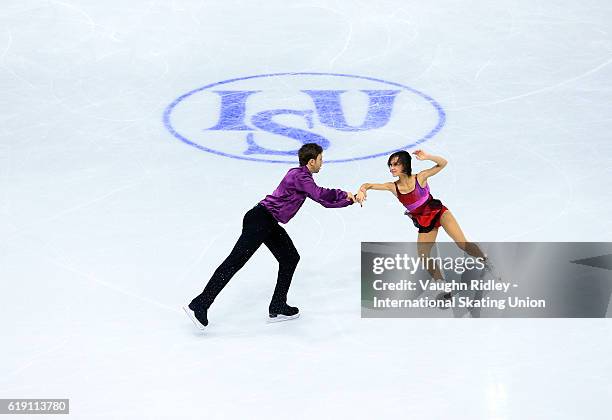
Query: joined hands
[(356, 198)]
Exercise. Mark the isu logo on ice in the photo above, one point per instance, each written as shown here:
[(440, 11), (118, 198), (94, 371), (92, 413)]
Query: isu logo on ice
[(268, 117)]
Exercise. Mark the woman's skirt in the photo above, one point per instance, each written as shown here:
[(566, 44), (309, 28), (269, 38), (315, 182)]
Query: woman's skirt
[(427, 216)]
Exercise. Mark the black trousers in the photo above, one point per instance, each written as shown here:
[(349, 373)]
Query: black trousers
[(258, 227)]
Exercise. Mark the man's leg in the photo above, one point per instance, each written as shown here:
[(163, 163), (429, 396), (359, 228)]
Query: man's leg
[(256, 227), (284, 251)]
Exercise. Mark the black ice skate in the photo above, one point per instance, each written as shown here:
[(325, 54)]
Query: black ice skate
[(444, 296), (198, 316), (283, 313)]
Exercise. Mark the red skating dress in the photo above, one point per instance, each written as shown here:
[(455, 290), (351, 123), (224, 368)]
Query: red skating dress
[(424, 210)]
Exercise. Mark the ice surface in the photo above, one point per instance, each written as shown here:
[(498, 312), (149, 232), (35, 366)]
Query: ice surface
[(109, 223)]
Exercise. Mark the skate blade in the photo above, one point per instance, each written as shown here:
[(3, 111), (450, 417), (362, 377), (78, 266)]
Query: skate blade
[(191, 316), (281, 318)]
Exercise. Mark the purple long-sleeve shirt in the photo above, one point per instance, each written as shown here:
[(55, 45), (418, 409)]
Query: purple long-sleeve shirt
[(291, 193)]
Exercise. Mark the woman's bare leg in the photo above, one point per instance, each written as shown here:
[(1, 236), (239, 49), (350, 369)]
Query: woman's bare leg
[(426, 241), (450, 225)]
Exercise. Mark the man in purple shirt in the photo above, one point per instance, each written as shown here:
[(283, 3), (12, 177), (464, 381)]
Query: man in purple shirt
[(261, 225)]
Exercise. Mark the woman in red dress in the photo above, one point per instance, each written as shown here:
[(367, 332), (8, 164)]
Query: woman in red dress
[(426, 212)]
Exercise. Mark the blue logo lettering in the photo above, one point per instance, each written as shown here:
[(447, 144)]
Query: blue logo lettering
[(330, 111), (263, 121), (233, 107), (324, 121)]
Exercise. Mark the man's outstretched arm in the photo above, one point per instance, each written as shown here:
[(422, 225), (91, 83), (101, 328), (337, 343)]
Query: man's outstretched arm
[(327, 197)]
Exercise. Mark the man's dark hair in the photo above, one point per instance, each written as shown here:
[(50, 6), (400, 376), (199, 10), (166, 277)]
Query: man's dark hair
[(404, 158), (309, 151)]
